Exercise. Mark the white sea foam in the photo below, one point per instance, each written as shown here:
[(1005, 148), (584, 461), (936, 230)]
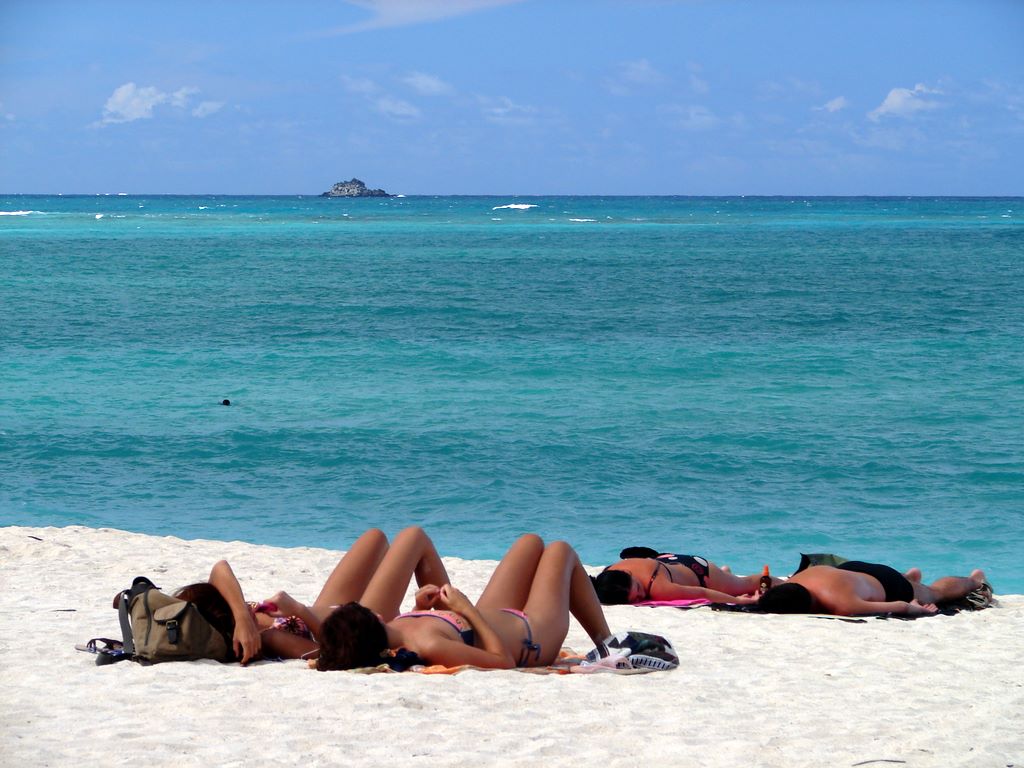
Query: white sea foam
[(203, 207), (582, 219), (516, 206), (99, 215), (19, 213)]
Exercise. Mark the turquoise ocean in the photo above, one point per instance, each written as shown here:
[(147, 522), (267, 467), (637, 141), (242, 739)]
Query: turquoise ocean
[(743, 378)]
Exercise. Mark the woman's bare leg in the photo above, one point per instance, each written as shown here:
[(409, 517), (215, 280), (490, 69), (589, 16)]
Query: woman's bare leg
[(585, 605), (509, 585), (560, 583), (352, 574), (411, 553)]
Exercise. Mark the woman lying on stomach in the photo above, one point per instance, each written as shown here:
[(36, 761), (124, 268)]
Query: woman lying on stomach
[(644, 574)]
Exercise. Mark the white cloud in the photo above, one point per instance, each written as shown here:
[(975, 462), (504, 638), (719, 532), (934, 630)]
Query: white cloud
[(427, 85), (633, 74), (389, 106), (129, 103), (904, 102), (396, 108), (403, 13), (836, 104), (360, 85), (181, 96), (504, 110), (697, 83), (692, 118), (207, 108)]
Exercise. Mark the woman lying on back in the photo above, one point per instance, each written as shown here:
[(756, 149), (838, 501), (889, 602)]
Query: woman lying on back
[(521, 618), (644, 575), (282, 627)]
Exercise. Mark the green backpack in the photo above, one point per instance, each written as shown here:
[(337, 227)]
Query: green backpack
[(156, 627)]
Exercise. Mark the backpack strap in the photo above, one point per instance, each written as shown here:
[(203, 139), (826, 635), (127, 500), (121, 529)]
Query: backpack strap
[(139, 585), (127, 641)]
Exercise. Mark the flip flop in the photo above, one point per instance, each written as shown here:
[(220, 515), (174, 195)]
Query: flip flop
[(110, 652)]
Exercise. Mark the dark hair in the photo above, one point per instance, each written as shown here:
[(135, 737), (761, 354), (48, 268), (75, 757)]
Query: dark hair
[(630, 552), (212, 605), (786, 598), (352, 636), (613, 587)]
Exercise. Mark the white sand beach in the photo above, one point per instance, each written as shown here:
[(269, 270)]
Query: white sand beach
[(752, 690)]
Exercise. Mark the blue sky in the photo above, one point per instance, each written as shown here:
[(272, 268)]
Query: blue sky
[(693, 97)]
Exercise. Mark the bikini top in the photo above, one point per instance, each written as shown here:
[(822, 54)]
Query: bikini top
[(698, 565), (291, 624), (657, 564), (455, 620)]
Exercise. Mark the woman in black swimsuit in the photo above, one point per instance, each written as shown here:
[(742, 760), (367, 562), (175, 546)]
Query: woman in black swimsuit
[(671, 577)]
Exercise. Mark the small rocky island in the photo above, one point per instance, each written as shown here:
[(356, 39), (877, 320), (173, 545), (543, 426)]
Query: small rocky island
[(353, 188)]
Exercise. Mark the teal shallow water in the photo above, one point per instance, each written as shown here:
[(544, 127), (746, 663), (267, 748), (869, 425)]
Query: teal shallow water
[(742, 378)]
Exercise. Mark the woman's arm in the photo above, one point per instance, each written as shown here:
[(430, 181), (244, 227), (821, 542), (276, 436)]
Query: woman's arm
[(246, 640), (493, 654), (455, 653), (668, 591), (283, 604), (284, 645), (858, 607)]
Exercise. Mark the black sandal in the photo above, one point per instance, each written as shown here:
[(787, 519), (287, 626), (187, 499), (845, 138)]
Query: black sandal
[(110, 652)]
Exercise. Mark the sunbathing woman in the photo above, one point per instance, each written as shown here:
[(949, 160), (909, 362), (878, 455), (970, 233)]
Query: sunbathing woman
[(282, 627), (521, 618), (646, 575)]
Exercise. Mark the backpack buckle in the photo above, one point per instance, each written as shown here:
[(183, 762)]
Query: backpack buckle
[(172, 631)]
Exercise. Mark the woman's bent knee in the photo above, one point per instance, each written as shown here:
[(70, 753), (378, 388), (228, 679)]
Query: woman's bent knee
[(531, 539)]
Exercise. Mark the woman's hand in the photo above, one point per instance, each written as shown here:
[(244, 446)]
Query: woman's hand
[(427, 597), (915, 608), (282, 604), (246, 641), (453, 599)]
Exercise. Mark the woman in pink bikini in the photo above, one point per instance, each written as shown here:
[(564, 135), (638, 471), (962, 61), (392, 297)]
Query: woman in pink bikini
[(282, 627), (521, 618)]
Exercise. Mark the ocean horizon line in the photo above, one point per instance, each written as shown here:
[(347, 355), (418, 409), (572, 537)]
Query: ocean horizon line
[(532, 195)]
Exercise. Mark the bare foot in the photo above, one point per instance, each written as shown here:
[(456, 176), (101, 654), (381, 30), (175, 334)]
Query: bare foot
[(725, 568), (978, 575), (914, 575)]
